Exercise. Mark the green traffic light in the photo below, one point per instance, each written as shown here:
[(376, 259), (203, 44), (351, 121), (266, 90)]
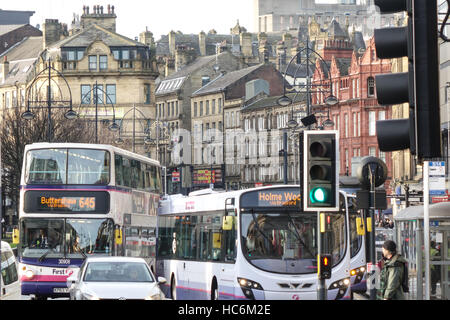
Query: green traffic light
[(318, 195)]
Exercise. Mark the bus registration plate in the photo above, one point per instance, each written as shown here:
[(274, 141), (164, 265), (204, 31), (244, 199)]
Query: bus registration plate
[(60, 290)]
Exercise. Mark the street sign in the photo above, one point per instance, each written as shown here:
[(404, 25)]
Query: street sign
[(437, 178), (175, 176)]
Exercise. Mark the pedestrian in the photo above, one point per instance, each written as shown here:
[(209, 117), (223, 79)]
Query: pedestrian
[(392, 273), (435, 270)]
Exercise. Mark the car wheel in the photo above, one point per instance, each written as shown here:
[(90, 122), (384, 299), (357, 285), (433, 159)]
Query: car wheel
[(173, 288)]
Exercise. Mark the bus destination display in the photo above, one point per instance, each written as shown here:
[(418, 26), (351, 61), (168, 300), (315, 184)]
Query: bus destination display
[(68, 203), (272, 198)]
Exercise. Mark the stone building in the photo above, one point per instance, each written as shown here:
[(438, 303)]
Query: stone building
[(263, 156), (173, 103), (15, 17), (218, 150), (93, 54)]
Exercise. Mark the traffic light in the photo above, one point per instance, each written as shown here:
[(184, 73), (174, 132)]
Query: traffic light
[(324, 265), (320, 170), (419, 86)]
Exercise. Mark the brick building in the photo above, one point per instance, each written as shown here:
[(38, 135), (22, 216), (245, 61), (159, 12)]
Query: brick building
[(355, 116)]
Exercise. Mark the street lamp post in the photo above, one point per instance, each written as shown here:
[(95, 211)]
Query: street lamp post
[(133, 133), (285, 101), (38, 104), (114, 126)]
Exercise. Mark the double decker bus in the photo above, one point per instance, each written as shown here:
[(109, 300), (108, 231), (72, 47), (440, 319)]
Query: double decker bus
[(78, 200), (254, 244)]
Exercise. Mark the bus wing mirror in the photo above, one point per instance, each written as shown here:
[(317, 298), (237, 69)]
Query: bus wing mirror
[(227, 223), (15, 236), (118, 236)]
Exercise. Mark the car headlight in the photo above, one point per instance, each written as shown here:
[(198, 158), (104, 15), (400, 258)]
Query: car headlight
[(157, 296), (89, 296)]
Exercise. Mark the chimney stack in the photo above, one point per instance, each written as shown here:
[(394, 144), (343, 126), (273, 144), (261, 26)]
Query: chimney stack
[(99, 17), (5, 68)]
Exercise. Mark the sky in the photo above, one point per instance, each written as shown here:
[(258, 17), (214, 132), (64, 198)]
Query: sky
[(160, 17)]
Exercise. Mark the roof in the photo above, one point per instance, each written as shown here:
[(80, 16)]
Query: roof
[(224, 80), (335, 30), (267, 102), (437, 211), (21, 58), (92, 33), (175, 81), (343, 64), (4, 29)]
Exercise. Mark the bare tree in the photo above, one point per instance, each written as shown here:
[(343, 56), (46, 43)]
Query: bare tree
[(16, 133)]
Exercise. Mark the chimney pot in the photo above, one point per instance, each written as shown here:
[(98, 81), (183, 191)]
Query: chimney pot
[(109, 9), (101, 9), (112, 9), (87, 9)]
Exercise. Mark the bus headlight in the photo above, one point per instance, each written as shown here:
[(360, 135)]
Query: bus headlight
[(342, 285), (247, 287), (359, 273), (29, 274)]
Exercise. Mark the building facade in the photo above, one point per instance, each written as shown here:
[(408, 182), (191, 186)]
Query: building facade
[(356, 113)]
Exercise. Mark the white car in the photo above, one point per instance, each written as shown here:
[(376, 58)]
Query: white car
[(114, 278), (9, 279)]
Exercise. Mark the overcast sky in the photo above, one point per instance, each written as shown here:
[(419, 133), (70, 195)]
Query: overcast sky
[(133, 16)]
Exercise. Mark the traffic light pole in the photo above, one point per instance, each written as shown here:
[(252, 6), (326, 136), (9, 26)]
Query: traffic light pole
[(321, 287), (373, 257)]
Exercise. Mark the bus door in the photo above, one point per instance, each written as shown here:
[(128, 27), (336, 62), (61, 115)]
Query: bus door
[(184, 250), (229, 251)]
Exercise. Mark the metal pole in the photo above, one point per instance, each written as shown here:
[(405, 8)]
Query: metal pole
[(96, 111), (426, 226), (134, 128), (308, 80), (49, 102), (285, 158), (321, 287), (373, 289)]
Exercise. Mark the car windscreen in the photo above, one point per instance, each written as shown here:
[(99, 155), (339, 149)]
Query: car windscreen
[(117, 272)]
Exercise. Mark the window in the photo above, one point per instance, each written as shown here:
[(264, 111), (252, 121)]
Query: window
[(370, 87), (147, 93), (372, 151), (98, 96), (195, 109), (71, 166), (85, 94), (103, 62), (372, 129), (213, 106), (201, 108), (382, 115), (92, 62), (220, 105), (207, 107), (346, 125), (205, 80), (8, 268), (111, 94)]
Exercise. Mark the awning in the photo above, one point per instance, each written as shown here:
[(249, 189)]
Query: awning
[(438, 211)]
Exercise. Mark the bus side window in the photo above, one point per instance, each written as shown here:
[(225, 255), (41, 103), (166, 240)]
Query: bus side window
[(229, 237)]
